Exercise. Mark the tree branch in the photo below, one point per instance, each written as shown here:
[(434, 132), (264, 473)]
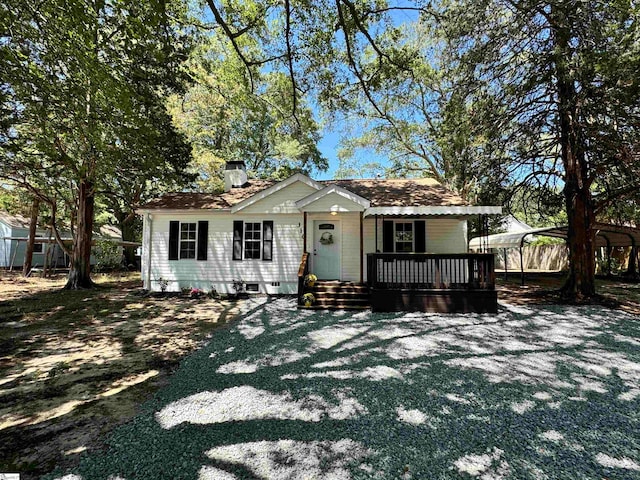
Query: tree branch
[(287, 35)]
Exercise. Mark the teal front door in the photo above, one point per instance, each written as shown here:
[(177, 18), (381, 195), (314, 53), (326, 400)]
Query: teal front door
[(327, 237)]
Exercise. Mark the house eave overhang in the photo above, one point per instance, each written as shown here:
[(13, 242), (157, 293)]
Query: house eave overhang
[(304, 203), (188, 211), (436, 210), (298, 177)]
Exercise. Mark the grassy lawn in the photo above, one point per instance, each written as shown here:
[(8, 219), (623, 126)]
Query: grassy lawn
[(535, 392), (74, 364)]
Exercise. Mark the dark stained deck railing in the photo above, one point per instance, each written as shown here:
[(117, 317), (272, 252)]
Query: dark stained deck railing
[(426, 271), (303, 270)]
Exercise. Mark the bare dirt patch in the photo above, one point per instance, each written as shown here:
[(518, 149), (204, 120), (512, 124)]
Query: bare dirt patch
[(74, 364), (544, 288)]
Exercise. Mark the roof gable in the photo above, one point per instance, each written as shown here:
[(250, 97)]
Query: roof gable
[(345, 200), (274, 189)]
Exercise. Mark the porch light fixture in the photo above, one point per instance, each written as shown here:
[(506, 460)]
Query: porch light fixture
[(334, 213)]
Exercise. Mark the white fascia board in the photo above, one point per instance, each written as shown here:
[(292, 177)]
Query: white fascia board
[(343, 192), (298, 177), (435, 210)]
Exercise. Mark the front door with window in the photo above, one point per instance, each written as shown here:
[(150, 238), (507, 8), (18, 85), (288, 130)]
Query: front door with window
[(326, 249)]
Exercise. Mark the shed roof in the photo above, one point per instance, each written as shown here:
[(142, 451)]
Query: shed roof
[(14, 221)]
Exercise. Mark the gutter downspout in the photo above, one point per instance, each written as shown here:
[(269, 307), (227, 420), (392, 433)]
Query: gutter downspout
[(148, 254), (521, 262)]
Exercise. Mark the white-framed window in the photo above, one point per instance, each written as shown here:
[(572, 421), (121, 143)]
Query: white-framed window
[(403, 237), (38, 248), (252, 239), (188, 236)]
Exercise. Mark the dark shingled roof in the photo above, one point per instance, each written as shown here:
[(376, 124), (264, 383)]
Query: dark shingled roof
[(401, 192), (193, 200), (380, 192)]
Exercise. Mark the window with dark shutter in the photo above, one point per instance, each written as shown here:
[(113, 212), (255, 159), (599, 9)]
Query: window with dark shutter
[(174, 234), (403, 238), (267, 240), (252, 234), (188, 237), (203, 233), (238, 231), (387, 236), (420, 236)]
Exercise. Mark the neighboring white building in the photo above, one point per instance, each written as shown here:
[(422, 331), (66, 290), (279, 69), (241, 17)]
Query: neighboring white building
[(14, 233), (14, 230), (257, 230)]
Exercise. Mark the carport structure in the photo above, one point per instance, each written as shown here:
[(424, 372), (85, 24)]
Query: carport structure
[(607, 236)]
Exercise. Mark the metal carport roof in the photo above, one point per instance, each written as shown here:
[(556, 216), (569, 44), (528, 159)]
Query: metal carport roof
[(607, 235)]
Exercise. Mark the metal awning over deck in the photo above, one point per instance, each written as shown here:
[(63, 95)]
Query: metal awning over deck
[(458, 210)]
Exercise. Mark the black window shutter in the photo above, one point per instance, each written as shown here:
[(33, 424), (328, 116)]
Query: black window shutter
[(174, 233), (203, 233), (387, 236), (267, 240), (420, 236), (238, 228)]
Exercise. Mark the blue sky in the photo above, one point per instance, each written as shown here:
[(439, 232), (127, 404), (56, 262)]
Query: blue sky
[(329, 148)]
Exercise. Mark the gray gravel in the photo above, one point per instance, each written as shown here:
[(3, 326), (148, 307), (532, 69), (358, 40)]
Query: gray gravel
[(545, 392)]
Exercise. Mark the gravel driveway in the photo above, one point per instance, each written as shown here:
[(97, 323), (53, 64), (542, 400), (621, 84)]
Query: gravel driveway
[(545, 392)]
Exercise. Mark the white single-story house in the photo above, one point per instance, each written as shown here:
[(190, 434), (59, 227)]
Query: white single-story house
[(266, 234), (14, 233)]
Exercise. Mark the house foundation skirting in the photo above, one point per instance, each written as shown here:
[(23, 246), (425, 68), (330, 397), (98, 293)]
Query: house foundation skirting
[(435, 300)]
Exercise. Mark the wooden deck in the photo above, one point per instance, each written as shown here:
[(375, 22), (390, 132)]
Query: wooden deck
[(444, 283)]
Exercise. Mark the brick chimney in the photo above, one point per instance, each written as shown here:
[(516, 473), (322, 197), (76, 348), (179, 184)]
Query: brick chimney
[(235, 175)]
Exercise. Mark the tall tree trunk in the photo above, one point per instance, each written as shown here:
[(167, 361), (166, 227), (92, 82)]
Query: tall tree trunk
[(580, 284), (80, 272), (33, 224), (632, 264)]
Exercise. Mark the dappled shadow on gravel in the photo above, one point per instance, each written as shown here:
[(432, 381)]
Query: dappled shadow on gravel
[(533, 392)]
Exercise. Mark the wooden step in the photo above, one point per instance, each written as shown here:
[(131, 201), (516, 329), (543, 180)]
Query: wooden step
[(334, 295), (335, 307)]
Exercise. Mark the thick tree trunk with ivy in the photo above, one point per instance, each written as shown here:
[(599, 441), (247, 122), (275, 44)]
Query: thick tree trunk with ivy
[(33, 224), (580, 284), (80, 271)]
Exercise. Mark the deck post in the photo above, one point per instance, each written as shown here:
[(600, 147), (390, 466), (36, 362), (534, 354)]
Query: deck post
[(506, 261), (521, 268), (361, 247)]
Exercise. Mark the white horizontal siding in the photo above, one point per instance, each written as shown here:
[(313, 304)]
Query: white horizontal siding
[(333, 203), (5, 245), (219, 271), (446, 235), (14, 249), (281, 202), (369, 241)]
